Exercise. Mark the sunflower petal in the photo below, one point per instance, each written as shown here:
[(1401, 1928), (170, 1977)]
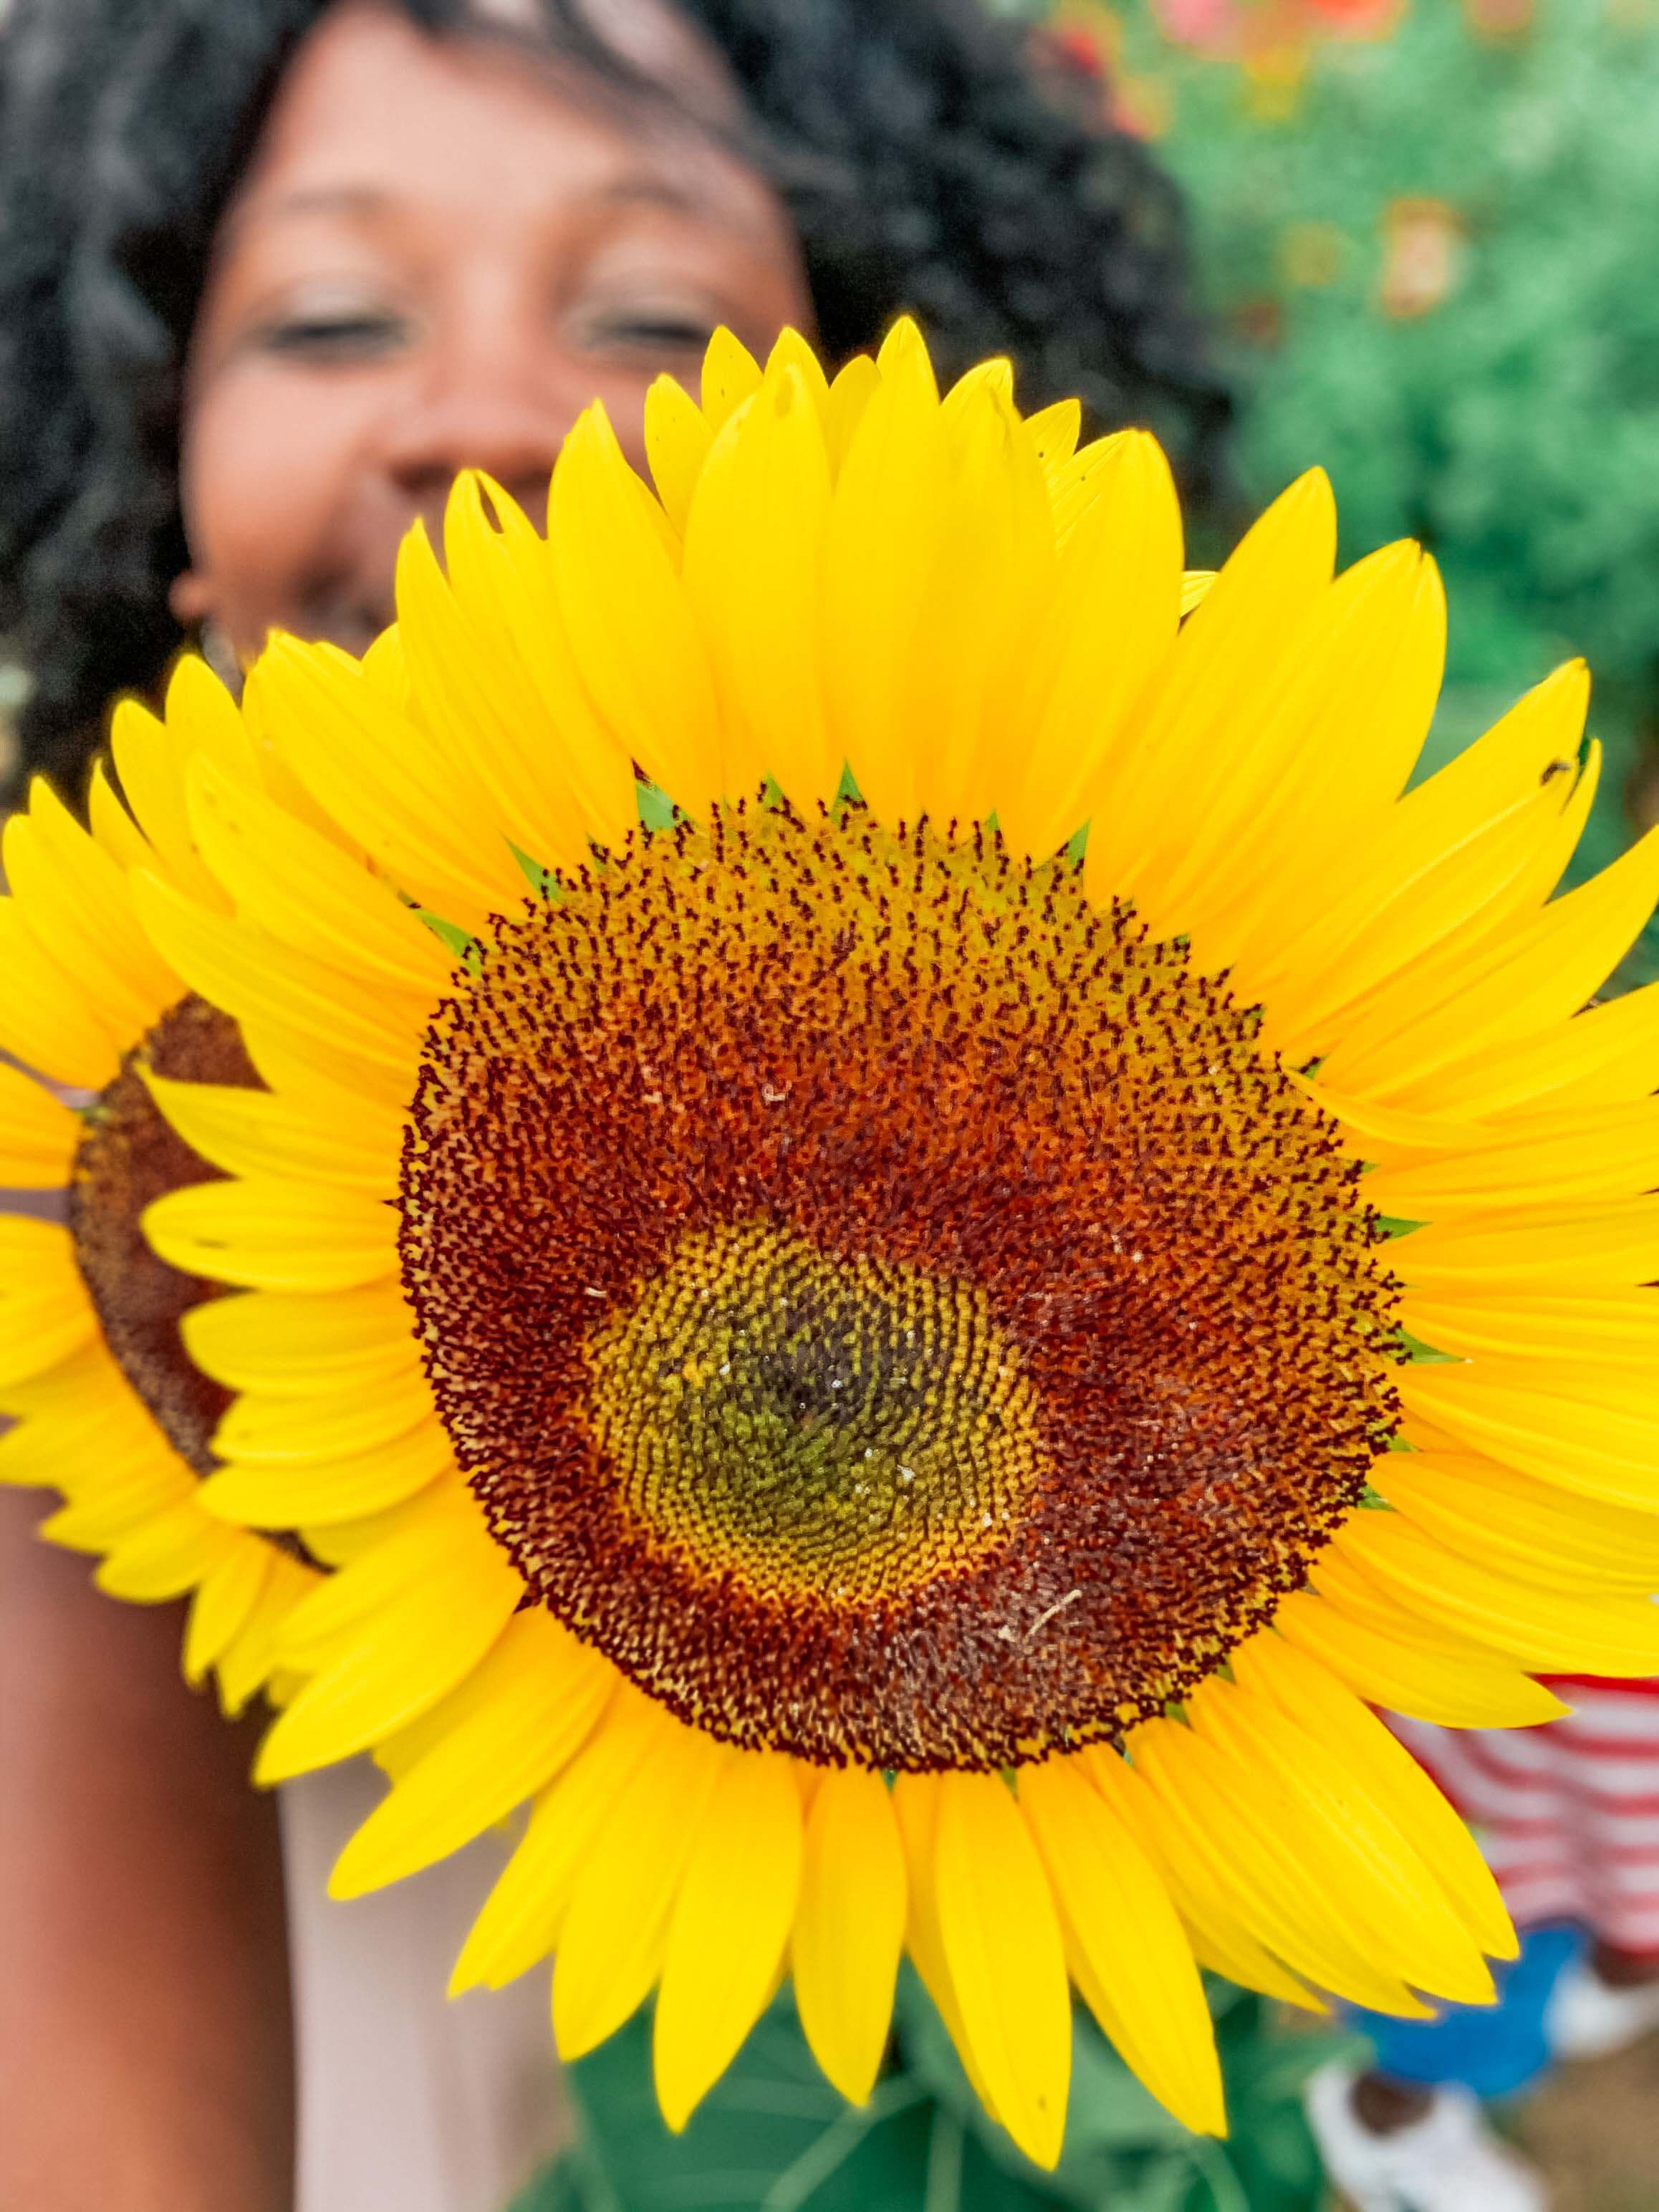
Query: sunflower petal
[(1138, 1977), (496, 1741), (612, 1939), (729, 1929), (1001, 1941), (849, 1928)]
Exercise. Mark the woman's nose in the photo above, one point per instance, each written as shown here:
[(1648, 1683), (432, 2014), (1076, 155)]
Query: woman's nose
[(483, 402)]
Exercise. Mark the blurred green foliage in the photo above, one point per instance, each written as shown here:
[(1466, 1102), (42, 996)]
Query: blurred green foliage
[(774, 2136), (1513, 424), (1436, 274)]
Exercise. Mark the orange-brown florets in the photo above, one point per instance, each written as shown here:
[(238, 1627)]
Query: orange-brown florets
[(894, 1310), (128, 1155)]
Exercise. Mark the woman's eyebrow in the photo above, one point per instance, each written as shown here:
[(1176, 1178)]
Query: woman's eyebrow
[(643, 187), (308, 200)]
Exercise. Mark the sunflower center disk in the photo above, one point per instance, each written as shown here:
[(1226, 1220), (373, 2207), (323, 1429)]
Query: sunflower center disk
[(128, 1157), (844, 1429), (895, 1311)]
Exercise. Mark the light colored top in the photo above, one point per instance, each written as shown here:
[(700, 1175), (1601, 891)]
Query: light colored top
[(408, 2101)]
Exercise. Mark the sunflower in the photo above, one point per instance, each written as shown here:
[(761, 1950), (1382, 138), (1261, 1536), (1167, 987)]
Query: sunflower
[(106, 1406), (958, 1360)]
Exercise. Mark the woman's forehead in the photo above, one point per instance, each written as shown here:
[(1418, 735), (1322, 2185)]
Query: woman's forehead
[(373, 103)]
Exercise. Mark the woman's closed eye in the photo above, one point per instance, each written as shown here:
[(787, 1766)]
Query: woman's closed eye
[(643, 328), (340, 334)]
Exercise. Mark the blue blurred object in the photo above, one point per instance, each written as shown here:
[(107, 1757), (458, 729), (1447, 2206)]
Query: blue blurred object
[(1496, 2051)]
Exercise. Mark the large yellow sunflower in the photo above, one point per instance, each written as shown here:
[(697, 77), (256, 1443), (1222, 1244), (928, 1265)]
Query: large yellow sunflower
[(947, 1441), (108, 1408)]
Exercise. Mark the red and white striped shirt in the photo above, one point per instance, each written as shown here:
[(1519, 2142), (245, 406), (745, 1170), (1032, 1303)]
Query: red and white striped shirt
[(1568, 1812)]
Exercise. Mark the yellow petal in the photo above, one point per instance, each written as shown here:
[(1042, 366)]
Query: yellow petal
[(252, 1132), (915, 1807), (516, 1720), (1115, 608), (729, 1928), (271, 1235), (310, 1493), (754, 564), (849, 1930), (1564, 1630), (1410, 913), (364, 1037), (288, 1429), (611, 1944), (678, 437), (1219, 1940), (1618, 1328), (112, 826), (1576, 1427), (1344, 1842), (1001, 1941), (307, 892), (39, 1134), (167, 1555), (77, 902), (1135, 1966), (522, 1915), (47, 1019), (964, 680), (1604, 1055), (1330, 1714), (1053, 432), (223, 1604), (1580, 1155), (1447, 848), (1420, 1671), (45, 1315), (731, 375), (854, 385), (435, 1639), (625, 611), (1213, 1803), (1592, 1248), (372, 770), (1478, 1508), (885, 532), (278, 1341), (84, 1433), (1316, 775), (1532, 978), (149, 757), (379, 1581), (548, 762), (246, 1663), (1187, 732)]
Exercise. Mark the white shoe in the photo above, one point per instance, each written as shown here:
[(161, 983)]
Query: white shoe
[(1587, 2017), (1448, 2161)]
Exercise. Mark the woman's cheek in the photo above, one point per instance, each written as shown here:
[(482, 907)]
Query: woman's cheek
[(272, 465)]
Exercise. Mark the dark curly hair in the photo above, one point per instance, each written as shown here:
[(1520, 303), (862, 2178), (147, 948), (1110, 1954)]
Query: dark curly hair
[(923, 163)]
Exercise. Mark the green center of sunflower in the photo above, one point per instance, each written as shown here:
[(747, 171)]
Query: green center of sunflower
[(896, 1312), (847, 1428)]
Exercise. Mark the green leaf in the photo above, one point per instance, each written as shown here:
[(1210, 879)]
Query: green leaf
[(771, 2136), (656, 808), (453, 937), (544, 881), (774, 2136)]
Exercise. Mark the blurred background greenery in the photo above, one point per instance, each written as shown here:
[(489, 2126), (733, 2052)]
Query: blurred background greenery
[(1429, 233)]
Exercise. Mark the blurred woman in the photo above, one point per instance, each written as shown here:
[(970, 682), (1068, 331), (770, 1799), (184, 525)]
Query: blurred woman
[(270, 273)]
